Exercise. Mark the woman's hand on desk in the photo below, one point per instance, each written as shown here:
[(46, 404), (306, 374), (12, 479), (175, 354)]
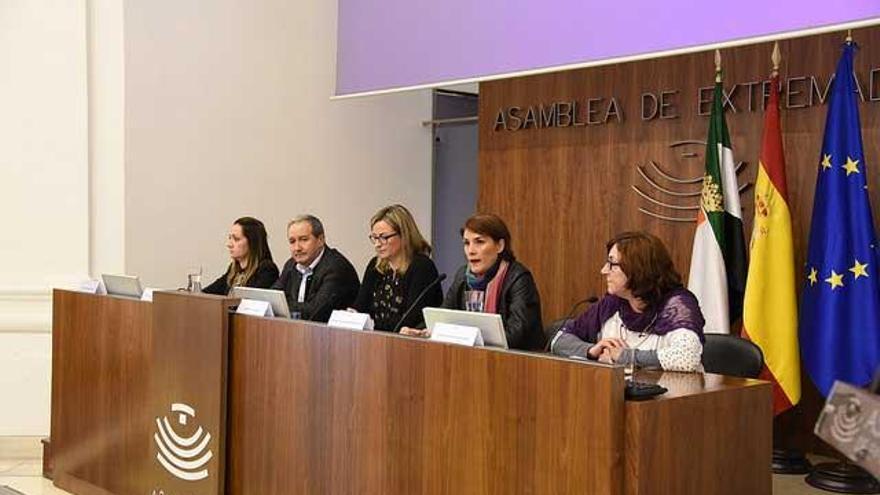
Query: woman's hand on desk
[(414, 332), (614, 353), (597, 350)]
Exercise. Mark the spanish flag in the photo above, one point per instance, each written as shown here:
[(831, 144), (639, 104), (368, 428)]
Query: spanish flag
[(770, 306)]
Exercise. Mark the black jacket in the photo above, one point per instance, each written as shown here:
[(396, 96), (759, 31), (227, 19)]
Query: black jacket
[(263, 278), (519, 306), (419, 274), (333, 285)]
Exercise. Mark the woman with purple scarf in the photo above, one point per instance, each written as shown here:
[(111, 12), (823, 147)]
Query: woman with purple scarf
[(646, 309)]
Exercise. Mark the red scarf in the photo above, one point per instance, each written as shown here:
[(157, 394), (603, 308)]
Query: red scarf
[(493, 289)]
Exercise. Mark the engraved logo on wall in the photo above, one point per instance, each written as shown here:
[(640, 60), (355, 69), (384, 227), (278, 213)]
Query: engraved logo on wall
[(185, 457), (684, 199)]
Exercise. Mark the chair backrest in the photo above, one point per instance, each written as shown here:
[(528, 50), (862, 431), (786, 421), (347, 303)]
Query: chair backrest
[(550, 332), (733, 356)]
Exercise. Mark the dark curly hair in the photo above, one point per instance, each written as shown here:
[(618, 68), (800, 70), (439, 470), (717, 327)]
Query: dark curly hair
[(647, 265)]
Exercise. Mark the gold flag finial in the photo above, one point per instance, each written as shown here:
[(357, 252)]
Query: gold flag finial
[(717, 65), (776, 57), (849, 35)]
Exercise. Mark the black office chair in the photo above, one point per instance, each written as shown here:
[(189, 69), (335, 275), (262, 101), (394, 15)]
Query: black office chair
[(733, 356)]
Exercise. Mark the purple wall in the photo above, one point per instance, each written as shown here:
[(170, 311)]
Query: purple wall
[(396, 43)]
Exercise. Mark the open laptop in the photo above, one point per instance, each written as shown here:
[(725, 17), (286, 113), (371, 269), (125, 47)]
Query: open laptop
[(276, 298), (490, 324), (123, 285)]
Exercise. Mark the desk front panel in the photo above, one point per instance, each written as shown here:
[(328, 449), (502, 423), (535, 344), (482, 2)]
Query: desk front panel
[(708, 434), (101, 351), (315, 410)]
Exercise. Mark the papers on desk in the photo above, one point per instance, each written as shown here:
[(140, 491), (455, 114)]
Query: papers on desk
[(96, 286)]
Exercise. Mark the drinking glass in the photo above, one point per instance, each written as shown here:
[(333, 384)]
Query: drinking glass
[(474, 300), (194, 279), (628, 360)]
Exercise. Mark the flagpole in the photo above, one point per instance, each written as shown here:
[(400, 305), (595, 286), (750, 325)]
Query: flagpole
[(776, 58), (717, 275), (785, 460)]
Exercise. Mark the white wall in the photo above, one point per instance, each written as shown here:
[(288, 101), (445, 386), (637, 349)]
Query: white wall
[(106, 137), (132, 134), (228, 114), (44, 192), (43, 149)]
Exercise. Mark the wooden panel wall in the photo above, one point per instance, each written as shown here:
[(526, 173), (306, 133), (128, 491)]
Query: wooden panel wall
[(565, 191)]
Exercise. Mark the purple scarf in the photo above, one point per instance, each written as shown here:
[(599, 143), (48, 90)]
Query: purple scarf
[(677, 309)]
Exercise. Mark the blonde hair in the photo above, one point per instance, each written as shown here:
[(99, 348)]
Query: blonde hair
[(401, 220)]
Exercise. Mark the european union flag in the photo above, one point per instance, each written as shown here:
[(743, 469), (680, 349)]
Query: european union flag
[(840, 304)]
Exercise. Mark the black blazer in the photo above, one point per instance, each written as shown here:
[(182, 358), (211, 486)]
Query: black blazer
[(519, 306), (333, 285), (263, 278), (420, 273)]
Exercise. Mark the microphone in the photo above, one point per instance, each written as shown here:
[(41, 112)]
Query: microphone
[(321, 307), (418, 299), (567, 319)]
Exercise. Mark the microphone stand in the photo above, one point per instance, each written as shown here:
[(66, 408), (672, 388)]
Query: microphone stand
[(567, 319), (327, 302), (418, 299)]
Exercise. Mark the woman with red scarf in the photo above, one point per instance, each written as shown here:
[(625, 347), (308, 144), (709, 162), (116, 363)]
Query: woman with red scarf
[(493, 281)]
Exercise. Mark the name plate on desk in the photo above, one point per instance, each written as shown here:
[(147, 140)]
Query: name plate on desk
[(92, 286), (457, 334), (352, 321), (148, 294), (253, 307)]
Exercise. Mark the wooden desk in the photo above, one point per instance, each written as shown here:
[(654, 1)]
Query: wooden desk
[(708, 434), (315, 410), (101, 351), (118, 365), (334, 411)]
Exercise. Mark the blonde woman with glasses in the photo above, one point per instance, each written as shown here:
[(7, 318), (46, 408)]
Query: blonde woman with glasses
[(398, 273)]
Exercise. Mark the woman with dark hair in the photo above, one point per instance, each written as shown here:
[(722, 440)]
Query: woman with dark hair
[(493, 281), (251, 264), (646, 309)]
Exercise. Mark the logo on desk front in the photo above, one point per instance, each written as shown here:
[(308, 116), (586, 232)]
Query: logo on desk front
[(185, 457)]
